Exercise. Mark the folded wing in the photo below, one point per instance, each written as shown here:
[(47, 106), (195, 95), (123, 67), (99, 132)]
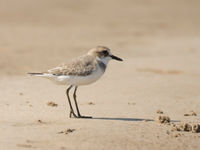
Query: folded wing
[(81, 66)]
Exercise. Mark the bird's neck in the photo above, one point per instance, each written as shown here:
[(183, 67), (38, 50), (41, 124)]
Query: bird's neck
[(103, 60), (102, 63)]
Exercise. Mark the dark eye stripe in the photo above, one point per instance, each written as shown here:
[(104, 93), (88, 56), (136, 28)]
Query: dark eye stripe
[(105, 53)]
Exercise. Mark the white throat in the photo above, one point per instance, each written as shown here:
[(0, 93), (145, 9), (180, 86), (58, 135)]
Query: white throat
[(104, 60)]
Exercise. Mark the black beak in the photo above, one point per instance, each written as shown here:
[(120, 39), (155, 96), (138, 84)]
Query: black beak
[(116, 58)]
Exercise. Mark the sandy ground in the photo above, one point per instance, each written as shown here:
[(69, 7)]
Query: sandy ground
[(159, 42)]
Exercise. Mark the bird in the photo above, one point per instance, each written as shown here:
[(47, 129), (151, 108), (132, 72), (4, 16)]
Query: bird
[(83, 70)]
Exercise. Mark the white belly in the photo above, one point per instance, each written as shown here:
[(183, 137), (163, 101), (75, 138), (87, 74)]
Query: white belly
[(77, 80)]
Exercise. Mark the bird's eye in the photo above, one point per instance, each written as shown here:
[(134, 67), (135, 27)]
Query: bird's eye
[(105, 53)]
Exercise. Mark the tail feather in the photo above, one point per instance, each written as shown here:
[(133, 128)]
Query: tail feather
[(35, 74)]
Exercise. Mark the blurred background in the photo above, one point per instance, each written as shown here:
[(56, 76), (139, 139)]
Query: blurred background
[(159, 41), (37, 35)]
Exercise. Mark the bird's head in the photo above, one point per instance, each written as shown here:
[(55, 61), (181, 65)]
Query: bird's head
[(103, 53)]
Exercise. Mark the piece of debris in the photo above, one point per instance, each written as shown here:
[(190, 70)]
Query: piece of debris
[(21, 93), (163, 119), (52, 104), (192, 113), (182, 127), (195, 128), (177, 135), (91, 103), (159, 112), (186, 127), (66, 131), (40, 121)]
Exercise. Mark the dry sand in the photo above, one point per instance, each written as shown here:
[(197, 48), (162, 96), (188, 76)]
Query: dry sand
[(160, 44)]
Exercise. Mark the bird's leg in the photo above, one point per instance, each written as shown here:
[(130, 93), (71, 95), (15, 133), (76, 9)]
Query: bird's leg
[(74, 95), (76, 104), (70, 105)]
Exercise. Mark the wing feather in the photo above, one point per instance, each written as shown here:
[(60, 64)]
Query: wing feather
[(80, 66)]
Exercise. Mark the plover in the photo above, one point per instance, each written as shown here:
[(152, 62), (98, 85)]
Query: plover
[(83, 70)]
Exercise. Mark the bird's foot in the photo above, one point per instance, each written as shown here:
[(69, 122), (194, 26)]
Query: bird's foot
[(72, 114), (79, 116)]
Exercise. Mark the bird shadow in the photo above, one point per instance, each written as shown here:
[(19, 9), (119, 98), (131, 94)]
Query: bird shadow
[(122, 119), (125, 119)]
